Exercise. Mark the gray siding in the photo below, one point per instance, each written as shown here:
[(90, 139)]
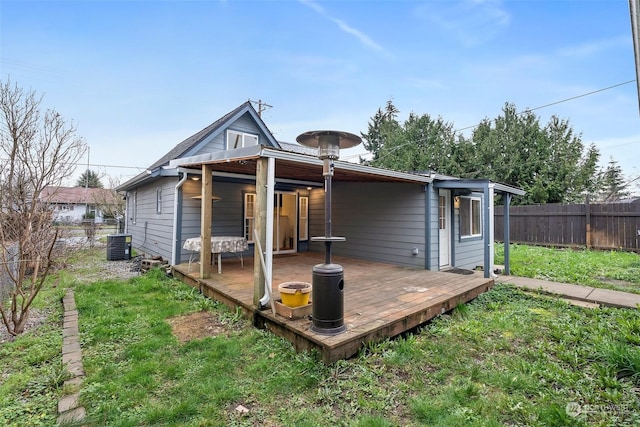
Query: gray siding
[(213, 143), (218, 141), (434, 229), (316, 218), (228, 213), (381, 221), (469, 252), (152, 232)]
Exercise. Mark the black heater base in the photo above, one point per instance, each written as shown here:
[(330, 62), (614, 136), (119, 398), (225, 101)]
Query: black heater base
[(327, 294)]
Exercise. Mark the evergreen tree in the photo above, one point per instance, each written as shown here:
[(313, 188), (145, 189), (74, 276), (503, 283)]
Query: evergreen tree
[(383, 124), (549, 161), (613, 186), (89, 179)]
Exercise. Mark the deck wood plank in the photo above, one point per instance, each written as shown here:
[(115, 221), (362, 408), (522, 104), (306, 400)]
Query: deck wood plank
[(380, 300)]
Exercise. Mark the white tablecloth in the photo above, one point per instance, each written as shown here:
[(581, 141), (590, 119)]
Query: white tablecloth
[(219, 244)]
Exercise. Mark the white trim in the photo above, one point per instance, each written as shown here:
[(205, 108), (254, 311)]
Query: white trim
[(471, 200), (254, 152), (303, 212), (444, 234), (241, 139), (174, 254), (268, 247), (490, 210), (248, 228)]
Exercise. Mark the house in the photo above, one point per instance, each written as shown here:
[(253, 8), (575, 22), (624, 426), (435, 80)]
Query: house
[(423, 220), (72, 204)]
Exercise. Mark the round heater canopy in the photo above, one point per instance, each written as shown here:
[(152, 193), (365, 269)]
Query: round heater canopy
[(328, 142)]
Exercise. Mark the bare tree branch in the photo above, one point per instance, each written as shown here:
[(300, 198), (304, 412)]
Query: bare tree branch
[(42, 150)]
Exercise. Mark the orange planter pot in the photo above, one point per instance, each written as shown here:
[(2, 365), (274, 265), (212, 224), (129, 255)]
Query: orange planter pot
[(295, 294)]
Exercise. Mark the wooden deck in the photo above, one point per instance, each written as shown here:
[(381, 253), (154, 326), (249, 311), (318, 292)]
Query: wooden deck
[(380, 300)]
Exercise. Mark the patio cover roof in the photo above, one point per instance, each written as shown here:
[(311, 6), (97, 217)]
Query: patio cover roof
[(294, 166), (478, 185)]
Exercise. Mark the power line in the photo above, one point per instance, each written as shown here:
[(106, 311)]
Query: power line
[(78, 163), (525, 111), (560, 102), (115, 166)]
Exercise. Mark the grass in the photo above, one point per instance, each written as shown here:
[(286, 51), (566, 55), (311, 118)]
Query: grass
[(601, 269), (507, 358), (31, 373)]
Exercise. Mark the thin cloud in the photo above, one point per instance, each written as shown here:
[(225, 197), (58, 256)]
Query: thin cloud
[(345, 27), (595, 47), (471, 22)]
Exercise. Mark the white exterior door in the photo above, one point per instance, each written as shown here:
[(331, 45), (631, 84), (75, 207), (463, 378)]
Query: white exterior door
[(284, 222), (444, 225)]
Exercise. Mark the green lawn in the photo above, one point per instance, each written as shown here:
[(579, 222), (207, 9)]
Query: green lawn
[(507, 358), (601, 269)]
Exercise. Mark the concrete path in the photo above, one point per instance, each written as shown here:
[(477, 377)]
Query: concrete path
[(69, 409), (576, 292)]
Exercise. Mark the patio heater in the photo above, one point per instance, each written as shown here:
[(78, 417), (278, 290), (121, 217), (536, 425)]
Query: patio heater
[(327, 291)]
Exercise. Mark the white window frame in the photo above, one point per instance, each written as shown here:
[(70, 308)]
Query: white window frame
[(239, 139), (159, 201), (249, 220), (303, 220), (470, 217)]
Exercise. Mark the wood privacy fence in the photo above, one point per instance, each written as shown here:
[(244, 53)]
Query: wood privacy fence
[(591, 225)]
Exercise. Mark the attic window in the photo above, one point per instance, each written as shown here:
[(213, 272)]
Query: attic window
[(237, 139)]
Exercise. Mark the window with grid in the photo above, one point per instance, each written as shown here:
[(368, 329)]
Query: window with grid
[(304, 218), (249, 215), (442, 212)]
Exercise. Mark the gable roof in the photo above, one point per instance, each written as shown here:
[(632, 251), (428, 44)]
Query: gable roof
[(77, 195), (188, 145), (192, 141)]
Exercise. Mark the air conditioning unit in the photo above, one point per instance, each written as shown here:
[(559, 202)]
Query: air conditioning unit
[(118, 247)]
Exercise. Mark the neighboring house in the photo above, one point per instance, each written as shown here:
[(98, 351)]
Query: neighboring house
[(424, 220), (70, 204)]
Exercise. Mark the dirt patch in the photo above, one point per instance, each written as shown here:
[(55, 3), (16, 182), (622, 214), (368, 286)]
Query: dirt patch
[(617, 282), (36, 318), (196, 326)]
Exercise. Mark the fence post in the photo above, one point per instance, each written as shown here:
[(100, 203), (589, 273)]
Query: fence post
[(587, 207)]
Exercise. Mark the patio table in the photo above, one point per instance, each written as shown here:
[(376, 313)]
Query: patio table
[(219, 244)]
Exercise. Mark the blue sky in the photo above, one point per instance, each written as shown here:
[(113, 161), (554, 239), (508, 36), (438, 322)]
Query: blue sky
[(137, 77)]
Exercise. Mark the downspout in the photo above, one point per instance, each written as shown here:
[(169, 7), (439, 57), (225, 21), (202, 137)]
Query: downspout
[(177, 199), (268, 250), (126, 213)]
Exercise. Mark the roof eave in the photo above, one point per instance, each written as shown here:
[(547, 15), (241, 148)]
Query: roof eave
[(478, 184), (347, 166)]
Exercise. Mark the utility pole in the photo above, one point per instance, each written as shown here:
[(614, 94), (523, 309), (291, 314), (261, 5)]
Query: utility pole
[(86, 180), (261, 106)]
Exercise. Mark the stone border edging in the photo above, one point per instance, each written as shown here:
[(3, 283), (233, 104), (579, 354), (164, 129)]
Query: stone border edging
[(69, 410)]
